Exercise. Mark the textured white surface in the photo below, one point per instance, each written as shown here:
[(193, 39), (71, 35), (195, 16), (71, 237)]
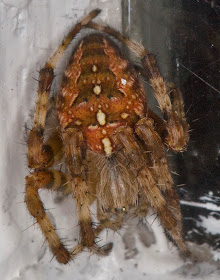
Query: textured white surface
[(30, 32)]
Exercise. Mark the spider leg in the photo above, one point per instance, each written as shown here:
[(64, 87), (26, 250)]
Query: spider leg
[(105, 222), (73, 147), (173, 112), (145, 130), (148, 184), (73, 139), (38, 155), (51, 180)]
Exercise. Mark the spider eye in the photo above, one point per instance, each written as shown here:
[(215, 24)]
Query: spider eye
[(110, 96)]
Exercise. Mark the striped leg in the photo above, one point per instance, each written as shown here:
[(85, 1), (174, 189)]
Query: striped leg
[(73, 146), (51, 180), (149, 186), (145, 130)]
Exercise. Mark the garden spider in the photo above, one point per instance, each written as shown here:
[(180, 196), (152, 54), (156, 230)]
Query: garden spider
[(105, 129)]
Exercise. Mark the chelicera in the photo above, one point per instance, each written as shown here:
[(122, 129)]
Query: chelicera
[(112, 143)]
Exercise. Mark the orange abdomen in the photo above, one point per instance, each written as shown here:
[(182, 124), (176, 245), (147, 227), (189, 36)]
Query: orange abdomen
[(100, 92)]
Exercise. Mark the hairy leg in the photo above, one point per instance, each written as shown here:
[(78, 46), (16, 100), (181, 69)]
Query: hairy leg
[(149, 185), (73, 139), (50, 180), (145, 130)]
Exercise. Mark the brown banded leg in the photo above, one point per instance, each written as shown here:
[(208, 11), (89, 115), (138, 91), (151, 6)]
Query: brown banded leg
[(104, 223), (73, 146), (158, 203), (51, 180), (173, 110), (149, 187), (145, 130)]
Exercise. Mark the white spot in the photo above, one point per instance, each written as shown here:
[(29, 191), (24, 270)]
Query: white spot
[(78, 122), (92, 127), (101, 117), (107, 146), (94, 68), (123, 81), (91, 108), (124, 115), (99, 106), (97, 89), (114, 124), (104, 131)]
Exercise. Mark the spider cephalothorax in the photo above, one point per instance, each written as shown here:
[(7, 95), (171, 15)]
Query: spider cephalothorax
[(112, 143)]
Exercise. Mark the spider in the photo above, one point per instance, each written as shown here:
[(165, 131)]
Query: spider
[(112, 143)]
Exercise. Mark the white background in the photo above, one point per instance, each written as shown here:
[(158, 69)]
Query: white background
[(30, 32)]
